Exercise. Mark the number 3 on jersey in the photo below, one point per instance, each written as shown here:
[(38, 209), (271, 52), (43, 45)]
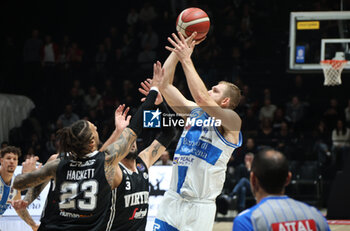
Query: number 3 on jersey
[(128, 186), (70, 191)]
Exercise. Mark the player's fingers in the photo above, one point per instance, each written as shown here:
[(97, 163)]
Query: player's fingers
[(183, 38), (142, 91), (143, 99), (126, 111), (117, 111), (154, 69), (40, 165), (144, 86), (176, 46), (169, 48), (128, 118), (148, 83), (193, 44), (178, 41)]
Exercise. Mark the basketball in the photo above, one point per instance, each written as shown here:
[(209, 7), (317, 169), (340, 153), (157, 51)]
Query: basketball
[(191, 20)]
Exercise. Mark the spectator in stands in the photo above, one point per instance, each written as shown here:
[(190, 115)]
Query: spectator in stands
[(92, 98), (49, 52), (278, 119), (77, 101), (283, 138), (77, 84), (32, 47), (267, 111), (164, 159), (75, 54), (322, 145), (250, 122), (295, 110), (68, 117), (332, 113), (132, 17), (340, 144), (149, 38), (146, 57), (147, 13), (242, 188), (248, 147), (265, 136)]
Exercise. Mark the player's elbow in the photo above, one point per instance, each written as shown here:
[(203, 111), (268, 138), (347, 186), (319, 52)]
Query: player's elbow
[(18, 184)]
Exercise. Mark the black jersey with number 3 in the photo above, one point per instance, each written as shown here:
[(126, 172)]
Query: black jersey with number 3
[(77, 199), (129, 207)]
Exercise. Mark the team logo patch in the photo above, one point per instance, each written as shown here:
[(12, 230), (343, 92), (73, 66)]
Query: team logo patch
[(151, 118), (140, 167)]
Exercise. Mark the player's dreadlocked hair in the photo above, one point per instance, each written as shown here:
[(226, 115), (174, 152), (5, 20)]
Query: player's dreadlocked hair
[(75, 138)]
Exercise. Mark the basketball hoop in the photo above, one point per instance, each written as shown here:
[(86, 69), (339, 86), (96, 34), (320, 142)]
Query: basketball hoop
[(332, 71)]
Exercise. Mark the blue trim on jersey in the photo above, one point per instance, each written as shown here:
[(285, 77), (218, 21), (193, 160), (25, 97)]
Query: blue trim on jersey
[(243, 221), (160, 225), (227, 142), (181, 172), (5, 194)]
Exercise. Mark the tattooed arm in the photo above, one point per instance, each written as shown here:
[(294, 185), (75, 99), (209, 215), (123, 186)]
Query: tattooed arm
[(115, 153), (152, 153), (24, 214), (37, 177)]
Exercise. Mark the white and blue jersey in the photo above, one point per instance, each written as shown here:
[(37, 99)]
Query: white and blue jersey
[(7, 193), (198, 175), (200, 159), (280, 213)]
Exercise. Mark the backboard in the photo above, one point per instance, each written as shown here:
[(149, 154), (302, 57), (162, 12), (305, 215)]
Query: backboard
[(316, 36)]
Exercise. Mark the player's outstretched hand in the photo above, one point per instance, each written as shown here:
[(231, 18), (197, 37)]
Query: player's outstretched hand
[(182, 47), (121, 118), (145, 88), (29, 165)]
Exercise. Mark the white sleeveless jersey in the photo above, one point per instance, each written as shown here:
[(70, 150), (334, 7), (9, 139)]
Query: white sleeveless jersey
[(7, 193), (200, 159)]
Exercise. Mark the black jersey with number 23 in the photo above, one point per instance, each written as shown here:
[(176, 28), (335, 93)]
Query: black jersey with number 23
[(77, 199)]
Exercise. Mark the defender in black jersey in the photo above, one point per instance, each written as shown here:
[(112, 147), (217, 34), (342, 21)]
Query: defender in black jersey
[(129, 201), (83, 180)]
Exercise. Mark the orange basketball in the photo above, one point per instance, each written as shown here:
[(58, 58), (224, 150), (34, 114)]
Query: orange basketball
[(191, 20)]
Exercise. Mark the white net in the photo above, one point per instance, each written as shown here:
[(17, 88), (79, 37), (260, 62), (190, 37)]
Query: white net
[(332, 71)]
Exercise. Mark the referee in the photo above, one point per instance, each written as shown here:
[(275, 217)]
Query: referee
[(275, 211)]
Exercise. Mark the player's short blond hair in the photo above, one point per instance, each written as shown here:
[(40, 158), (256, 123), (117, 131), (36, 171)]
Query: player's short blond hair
[(233, 92)]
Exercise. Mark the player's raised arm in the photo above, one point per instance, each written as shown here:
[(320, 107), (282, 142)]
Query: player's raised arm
[(219, 104), (36, 177), (152, 153)]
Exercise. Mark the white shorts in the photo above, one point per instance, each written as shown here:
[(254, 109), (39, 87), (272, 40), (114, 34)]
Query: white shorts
[(178, 213)]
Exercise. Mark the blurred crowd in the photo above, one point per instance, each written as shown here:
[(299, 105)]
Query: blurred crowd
[(246, 45)]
